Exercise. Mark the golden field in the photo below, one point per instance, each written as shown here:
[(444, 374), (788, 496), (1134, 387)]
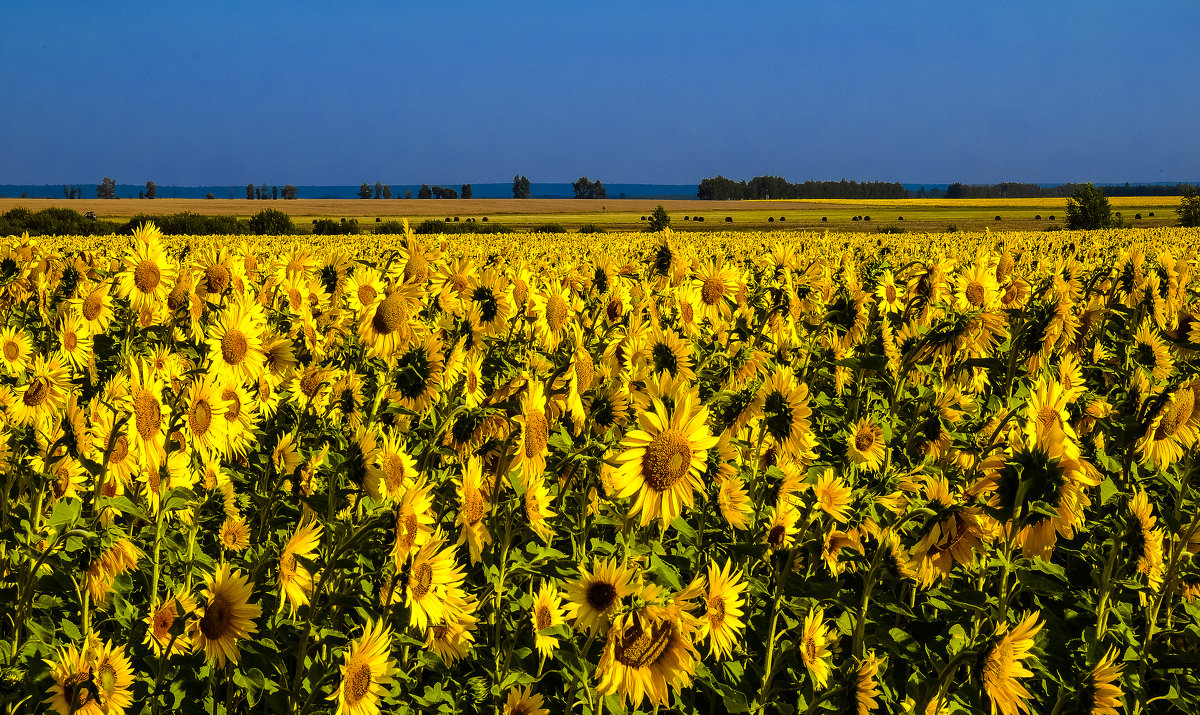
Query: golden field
[(720, 471)]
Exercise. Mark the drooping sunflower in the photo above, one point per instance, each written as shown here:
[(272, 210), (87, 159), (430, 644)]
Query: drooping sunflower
[(148, 272), (240, 418), (644, 657), (392, 472), (295, 580), (663, 460), (733, 500), (782, 529), (473, 500), (833, 496), (595, 596), (535, 432), (1145, 539), (866, 684), (452, 639), (234, 342), (547, 612), (161, 628), (367, 672), (523, 701), (865, 446), (1101, 694), (782, 405), (226, 616), (415, 379), (722, 621), (814, 647), (1003, 667), (387, 328)]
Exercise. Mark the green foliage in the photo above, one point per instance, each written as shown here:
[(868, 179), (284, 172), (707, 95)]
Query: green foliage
[(658, 219), (53, 221), (1189, 207), (272, 222), (1088, 209), (429, 226)]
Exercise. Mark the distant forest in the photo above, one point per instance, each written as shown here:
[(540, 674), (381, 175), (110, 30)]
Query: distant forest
[(775, 187)]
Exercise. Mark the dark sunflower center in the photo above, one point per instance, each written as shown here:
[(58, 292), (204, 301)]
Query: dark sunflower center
[(393, 471), (421, 580), (556, 312), (890, 293), (975, 293), (358, 682), (472, 508), (864, 440), (146, 276), (37, 392), (777, 535), (601, 595), (366, 294), (217, 619), (810, 650), (712, 291), (716, 611), (70, 341), (216, 278), (667, 460), (664, 358), (585, 372), (389, 316), (543, 618), (11, 350)]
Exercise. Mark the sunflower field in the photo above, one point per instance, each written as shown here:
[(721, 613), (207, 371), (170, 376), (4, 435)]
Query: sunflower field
[(777, 472)]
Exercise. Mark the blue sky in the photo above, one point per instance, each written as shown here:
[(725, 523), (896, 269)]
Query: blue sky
[(403, 92)]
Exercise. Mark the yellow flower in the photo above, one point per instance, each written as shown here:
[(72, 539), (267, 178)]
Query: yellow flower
[(148, 272), (162, 627), (865, 446), (722, 622), (235, 342), (594, 597), (434, 584), (15, 349), (295, 580), (473, 500), (1003, 667), (95, 681), (367, 672), (1102, 694), (522, 701), (814, 647), (226, 616), (833, 496), (547, 612), (644, 657)]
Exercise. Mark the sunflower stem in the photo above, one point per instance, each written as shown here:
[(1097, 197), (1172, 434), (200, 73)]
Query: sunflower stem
[(768, 673)]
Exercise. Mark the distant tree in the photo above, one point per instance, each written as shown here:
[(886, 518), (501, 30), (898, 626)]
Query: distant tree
[(1088, 209), (520, 187), (263, 193), (364, 191), (249, 192), (658, 219), (387, 191), (1189, 207), (209, 196), (66, 193), (289, 192), (378, 190), (424, 192), (408, 193), (441, 192), (151, 190), (274, 192), (107, 189), (272, 222), (466, 191), (585, 189)]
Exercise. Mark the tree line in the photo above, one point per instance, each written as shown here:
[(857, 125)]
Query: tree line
[(774, 187), (1022, 190)]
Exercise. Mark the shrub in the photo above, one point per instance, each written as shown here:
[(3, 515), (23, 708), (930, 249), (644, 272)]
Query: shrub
[(1189, 207), (728, 219), (272, 222), (824, 218), (592, 228), (687, 218), (1052, 216), (1037, 217), (783, 218), (1137, 216), (549, 228), (1088, 209), (389, 227), (889, 229), (952, 228), (191, 224), (209, 196)]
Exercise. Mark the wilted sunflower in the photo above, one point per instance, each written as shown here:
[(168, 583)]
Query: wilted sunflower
[(1145, 540), (782, 528), (595, 596), (226, 616), (367, 672), (663, 459), (1003, 667), (644, 657), (865, 446), (814, 647), (722, 621), (295, 580), (547, 612), (1101, 694)]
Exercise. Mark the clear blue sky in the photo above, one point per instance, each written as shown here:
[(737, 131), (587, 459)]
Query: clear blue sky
[(654, 92)]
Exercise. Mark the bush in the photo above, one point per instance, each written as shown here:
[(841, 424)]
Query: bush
[(996, 219), (429, 226), (390, 227), (209, 196), (549, 228), (1138, 216), (272, 222), (687, 218), (728, 219), (952, 228), (824, 218), (592, 228), (190, 224), (52, 222), (1189, 208), (890, 229)]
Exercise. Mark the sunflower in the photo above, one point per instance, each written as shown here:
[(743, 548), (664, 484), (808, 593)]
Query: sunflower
[(782, 404), (413, 382), (644, 657), (782, 528), (234, 342), (663, 459), (888, 296), (240, 418), (547, 612), (734, 502), (522, 701), (1150, 354), (722, 621), (295, 580), (204, 412), (94, 307), (226, 616), (814, 647), (41, 398), (67, 476), (976, 288), (537, 507), (364, 289), (392, 472), (553, 310), (489, 295), (594, 597), (473, 500), (15, 349), (367, 672), (148, 272), (234, 534), (386, 328), (1101, 695), (347, 400), (434, 582), (1145, 539), (145, 428), (535, 432), (865, 446), (163, 629), (122, 461), (452, 639), (95, 681), (669, 353), (833, 496), (414, 519), (1170, 432), (1003, 669), (866, 684), (716, 287)]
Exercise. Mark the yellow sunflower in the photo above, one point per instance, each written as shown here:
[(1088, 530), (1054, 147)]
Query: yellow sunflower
[(1102, 693), (814, 644), (547, 612), (865, 445), (866, 685), (976, 288), (392, 472), (722, 622), (1003, 667), (15, 349), (535, 432), (94, 307), (234, 534), (147, 273), (782, 405), (644, 658), (523, 701), (204, 415), (473, 501), (1150, 354), (364, 289), (833, 496), (594, 597), (434, 580), (95, 681), (888, 296), (367, 672), (146, 427), (1170, 433), (163, 625), (663, 460), (387, 328), (414, 521), (234, 342), (537, 508), (40, 400), (295, 580), (733, 500), (414, 381), (226, 616), (716, 285)]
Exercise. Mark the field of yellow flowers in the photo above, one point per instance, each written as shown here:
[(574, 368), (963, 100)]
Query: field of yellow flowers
[(529, 473)]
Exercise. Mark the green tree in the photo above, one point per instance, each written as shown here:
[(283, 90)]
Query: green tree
[(107, 189), (151, 190), (249, 192), (1088, 209), (379, 189), (1189, 207), (424, 192), (289, 192), (272, 222), (658, 219), (466, 191), (364, 190), (520, 187)]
